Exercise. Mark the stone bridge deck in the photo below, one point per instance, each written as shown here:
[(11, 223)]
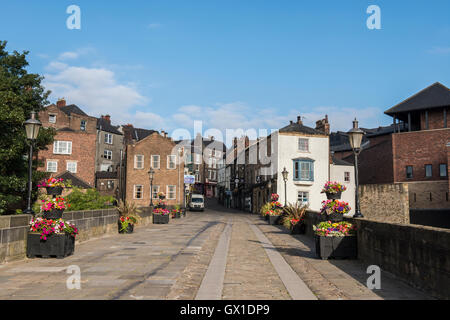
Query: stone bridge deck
[(216, 254)]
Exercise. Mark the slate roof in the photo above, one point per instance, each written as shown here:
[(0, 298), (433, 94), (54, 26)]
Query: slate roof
[(71, 108), (435, 96), (340, 162), (140, 134), (104, 125), (66, 129), (106, 175), (296, 127), (76, 182)]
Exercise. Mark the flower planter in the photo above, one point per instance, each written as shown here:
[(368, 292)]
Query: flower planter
[(336, 247), (160, 219), (54, 214), (299, 228), (266, 217), (177, 215), (333, 196), (56, 245), (273, 220), (128, 229), (54, 191)]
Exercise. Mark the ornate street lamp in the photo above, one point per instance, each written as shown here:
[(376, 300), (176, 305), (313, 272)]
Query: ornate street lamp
[(355, 136), (32, 127), (151, 172), (285, 178)]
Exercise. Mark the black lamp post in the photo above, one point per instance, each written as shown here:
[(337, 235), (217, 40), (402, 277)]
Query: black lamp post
[(355, 136), (151, 172), (32, 127), (285, 178)]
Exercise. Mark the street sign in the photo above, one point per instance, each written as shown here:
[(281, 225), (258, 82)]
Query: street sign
[(189, 179)]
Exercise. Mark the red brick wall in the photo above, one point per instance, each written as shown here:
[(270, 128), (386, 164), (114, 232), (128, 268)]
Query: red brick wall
[(417, 149), (83, 151), (435, 119), (155, 144)]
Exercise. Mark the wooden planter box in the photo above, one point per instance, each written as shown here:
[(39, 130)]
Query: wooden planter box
[(54, 191), (337, 247), (129, 229), (56, 246), (299, 228), (273, 220), (55, 214), (160, 219)]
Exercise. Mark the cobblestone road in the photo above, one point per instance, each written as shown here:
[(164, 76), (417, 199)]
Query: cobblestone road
[(171, 261)]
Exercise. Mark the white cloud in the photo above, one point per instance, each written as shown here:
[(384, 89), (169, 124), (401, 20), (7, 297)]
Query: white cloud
[(95, 90), (72, 55)]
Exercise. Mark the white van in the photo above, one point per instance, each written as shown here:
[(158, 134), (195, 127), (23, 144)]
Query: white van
[(197, 202)]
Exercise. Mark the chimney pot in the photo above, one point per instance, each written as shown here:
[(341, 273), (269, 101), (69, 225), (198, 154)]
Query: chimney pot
[(61, 103), (108, 118), (299, 120)]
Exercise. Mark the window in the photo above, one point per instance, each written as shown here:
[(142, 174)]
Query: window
[(197, 177), (155, 161), (303, 197), (346, 176), (443, 170), (171, 161), (107, 154), (108, 138), (303, 145), (71, 166), (155, 191), (83, 125), (428, 170), (138, 191), (52, 166), (171, 192), (52, 118), (198, 158), (409, 172), (303, 170), (110, 184), (62, 147), (139, 161)]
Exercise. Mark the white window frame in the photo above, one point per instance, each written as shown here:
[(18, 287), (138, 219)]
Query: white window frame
[(135, 192), (107, 153), (174, 192), (57, 148), (154, 195), (50, 116), (56, 165), (174, 162), (136, 161), (301, 146), (300, 194), (72, 162), (108, 138), (152, 162)]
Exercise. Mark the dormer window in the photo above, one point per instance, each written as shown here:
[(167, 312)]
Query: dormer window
[(83, 125)]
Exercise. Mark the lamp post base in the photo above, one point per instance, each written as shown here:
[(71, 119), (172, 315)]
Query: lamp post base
[(358, 215), (28, 211)]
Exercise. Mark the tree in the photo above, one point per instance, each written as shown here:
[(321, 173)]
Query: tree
[(20, 93)]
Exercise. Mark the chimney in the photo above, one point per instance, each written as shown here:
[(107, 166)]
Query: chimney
[(108, 118), (128, 133), (61, 103), (323, 125), (299, 120), (211, 138), (292, 122)]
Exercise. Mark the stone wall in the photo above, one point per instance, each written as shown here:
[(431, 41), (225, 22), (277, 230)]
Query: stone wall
[(417, 254), (385, 202), (429, 195), (91, 224)]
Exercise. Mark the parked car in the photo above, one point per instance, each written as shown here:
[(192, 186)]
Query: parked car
[(197, 202)]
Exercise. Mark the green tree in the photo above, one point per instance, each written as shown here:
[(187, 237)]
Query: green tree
[(89, 200), (20, 93)]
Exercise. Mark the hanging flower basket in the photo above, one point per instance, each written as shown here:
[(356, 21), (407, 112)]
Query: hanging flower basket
[(333, 190), (54, 191), (333, 196)]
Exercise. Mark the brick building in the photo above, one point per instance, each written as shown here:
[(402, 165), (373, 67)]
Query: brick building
[(413, 150), (159, 152), (74, 147)]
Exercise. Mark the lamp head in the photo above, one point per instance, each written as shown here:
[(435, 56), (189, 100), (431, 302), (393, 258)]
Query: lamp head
[(32, 127), (285, 174), (355, 136)]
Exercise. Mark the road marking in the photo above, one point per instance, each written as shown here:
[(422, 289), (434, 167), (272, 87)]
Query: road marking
[(297, 289), (212, 283)]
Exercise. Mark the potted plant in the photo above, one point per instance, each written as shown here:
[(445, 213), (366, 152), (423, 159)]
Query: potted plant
[(333, 190), (54, 208), (176, 212), (50, 238), (128, 216), (264, 209), (54, 186), (274, 216), (335, 240), (334, 210), (293, 218), (160, 216)]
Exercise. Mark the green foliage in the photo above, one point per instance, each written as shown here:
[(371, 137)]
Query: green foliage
[(293, 211), (91, 200), (128, 214), (20, 93), (265, 207)]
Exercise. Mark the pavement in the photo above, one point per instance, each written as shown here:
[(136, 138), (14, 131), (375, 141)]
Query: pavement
[(211, 255)]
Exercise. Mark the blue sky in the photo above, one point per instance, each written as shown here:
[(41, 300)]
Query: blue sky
[(233, 64)]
